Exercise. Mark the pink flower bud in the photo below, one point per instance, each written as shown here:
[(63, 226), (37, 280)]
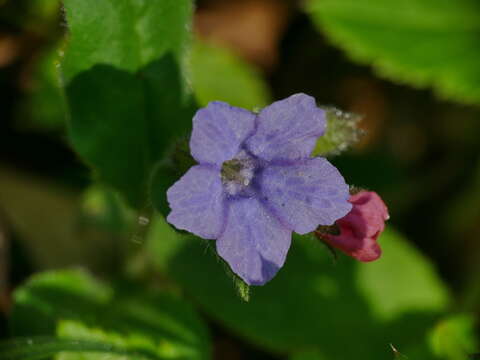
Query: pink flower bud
[(360, 228)]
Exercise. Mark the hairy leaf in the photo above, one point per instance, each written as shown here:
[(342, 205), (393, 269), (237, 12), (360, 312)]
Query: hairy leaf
[(73, 305), (125, 86), (126, 34), (43, 347), (426, 43)]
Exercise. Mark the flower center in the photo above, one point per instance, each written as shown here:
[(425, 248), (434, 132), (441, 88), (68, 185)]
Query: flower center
[(237, 173)]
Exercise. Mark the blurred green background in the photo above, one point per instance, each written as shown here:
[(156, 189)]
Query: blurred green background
[(411, 68)]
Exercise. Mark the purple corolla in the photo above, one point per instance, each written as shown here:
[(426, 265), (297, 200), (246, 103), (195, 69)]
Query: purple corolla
[(255, 183)]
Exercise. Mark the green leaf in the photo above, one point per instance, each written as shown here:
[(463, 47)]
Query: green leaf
[(57, 294), (163, 319), (402, 280), (42, 347), (218, 74), (306, 306), (109, 128), (454, 338), (426, 43), (307, 355), (125, 87), (75, 306), (126, 34), (130, 346)]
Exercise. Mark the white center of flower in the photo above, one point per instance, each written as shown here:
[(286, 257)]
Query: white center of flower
[(237, 173)]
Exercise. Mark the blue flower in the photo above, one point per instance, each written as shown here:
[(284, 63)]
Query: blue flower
[(256, 183)]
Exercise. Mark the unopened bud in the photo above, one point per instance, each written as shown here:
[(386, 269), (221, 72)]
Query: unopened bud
[(359, 230)]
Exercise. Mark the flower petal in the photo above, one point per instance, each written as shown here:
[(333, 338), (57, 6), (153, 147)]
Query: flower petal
[(368, 215), (197, 201), (254, 242), (305, 195), (218, 131), (288, 129)]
